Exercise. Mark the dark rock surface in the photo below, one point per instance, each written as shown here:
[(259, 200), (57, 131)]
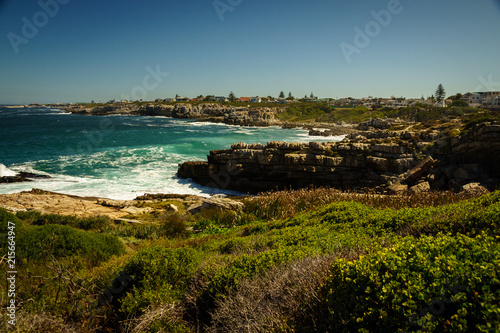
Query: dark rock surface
[(397, 164), (22, 177)]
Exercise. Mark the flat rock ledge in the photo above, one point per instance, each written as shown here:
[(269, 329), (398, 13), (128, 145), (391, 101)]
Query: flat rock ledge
[(382, 161)]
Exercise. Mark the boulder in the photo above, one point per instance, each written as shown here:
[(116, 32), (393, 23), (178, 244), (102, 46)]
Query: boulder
[(418, 171), (475, 188), (398, 188), (171, 208), (213, 203), (420, 187)]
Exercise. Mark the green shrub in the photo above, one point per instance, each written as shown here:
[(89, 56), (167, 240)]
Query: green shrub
[(37, 242), (84, 223), (173, 225), (159, 275), (438, 284)]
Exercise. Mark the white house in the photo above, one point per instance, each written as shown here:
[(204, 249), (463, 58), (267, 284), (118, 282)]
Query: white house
[(474, 99), (491, 100), (255, 99), (221, 99)]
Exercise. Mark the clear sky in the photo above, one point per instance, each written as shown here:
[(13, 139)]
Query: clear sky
[(83, 50)]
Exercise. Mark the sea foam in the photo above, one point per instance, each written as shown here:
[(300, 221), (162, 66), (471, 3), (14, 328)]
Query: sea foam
[(5, 172)]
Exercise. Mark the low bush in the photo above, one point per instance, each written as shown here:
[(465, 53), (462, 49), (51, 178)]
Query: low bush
[(435, 284), (97, 223), (38, 242), (159, 275)]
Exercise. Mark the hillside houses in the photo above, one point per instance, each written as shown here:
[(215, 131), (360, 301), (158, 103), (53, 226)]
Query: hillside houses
[(486, 100)]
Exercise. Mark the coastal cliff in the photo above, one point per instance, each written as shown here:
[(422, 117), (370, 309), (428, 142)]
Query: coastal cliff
[(382, 160), (206, 111)]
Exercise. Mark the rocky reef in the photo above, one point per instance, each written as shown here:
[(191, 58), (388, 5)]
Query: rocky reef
[(387, 161), (22, 177)]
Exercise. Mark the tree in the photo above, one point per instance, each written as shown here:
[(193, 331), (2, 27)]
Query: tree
[(440, 93), (290, 96), (312, 95), (459, 96), (460, 103), (231, 97), (282, 94)]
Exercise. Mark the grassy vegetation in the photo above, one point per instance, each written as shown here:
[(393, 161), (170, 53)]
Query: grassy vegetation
[(321, 112), (307, 260)]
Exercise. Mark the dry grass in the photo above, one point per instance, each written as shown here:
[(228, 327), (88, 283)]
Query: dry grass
[(167, 314), (273, 301), (40, 323), (283, 204)]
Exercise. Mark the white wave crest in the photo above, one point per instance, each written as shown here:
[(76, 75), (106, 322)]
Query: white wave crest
[(5, 172)]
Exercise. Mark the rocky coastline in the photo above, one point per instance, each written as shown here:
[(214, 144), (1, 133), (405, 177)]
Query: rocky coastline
[(205, 112), (381, 160), (216, 113)]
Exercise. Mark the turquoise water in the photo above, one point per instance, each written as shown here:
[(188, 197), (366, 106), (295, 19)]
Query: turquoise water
[(117, 157)]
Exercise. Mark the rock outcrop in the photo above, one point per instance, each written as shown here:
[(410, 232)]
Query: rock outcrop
[(22, 177), (381, 160), (254, 168), (205, 111)]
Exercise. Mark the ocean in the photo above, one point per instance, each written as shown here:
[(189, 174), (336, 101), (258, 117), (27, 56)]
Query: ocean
[(117, 157)]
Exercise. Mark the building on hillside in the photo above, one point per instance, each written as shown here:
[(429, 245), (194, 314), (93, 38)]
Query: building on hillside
[(256, 99), (491, 100), (396, 103), (486, 100), (474, 99), (181, 99), (243, 99), (221, 99)]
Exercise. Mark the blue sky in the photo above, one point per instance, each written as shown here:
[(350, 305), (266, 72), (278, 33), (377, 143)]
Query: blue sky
[(101, 50)]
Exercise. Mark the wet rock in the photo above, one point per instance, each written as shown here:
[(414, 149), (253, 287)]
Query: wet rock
[(22, 177)]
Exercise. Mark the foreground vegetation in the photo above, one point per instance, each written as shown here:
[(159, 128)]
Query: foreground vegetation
[(308, 260)]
